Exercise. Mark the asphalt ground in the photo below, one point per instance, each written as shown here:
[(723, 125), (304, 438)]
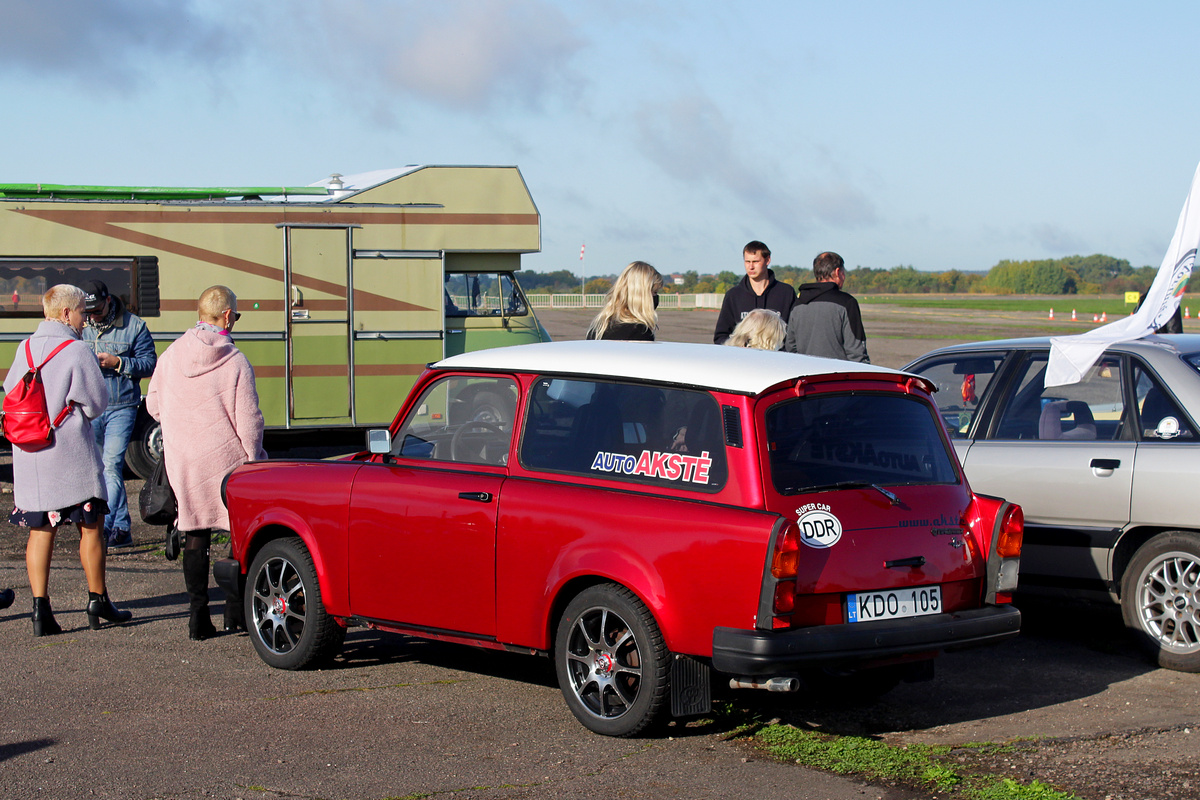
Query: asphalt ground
[(139, 711)]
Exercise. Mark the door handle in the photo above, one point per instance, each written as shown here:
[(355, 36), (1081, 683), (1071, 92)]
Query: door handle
[(1105, 463), (479, 497)]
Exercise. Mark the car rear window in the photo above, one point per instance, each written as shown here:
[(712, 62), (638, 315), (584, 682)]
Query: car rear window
[(628, 432), (828, 440)]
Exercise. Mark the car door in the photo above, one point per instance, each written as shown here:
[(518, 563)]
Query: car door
[(1167, 453), (1065, 454), (422, 525)]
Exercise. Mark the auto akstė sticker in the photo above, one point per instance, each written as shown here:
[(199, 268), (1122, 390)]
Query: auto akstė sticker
[(667, 466), (818, 527)]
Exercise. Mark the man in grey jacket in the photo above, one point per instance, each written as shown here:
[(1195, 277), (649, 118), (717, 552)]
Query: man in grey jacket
[(825, 321)]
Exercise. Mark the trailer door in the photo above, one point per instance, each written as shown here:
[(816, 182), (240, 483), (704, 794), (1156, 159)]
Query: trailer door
[(318, 273), (397, 318)]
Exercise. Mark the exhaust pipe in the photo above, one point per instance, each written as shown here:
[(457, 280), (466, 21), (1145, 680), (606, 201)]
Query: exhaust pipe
[(771, 684)]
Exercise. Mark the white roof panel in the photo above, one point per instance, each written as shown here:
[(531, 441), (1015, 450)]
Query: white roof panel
[(732, 369)]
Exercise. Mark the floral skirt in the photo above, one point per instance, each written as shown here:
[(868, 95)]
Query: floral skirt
[(89, 512)]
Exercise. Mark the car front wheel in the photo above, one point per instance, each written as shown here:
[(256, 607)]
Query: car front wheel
[(285, 617), (1160, 599), (611, 660)]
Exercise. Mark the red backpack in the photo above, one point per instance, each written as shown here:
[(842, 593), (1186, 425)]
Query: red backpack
[(26, 421)]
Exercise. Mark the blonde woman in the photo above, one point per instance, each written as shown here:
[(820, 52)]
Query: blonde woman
[(629, 307), (64, 482), (761, 329)]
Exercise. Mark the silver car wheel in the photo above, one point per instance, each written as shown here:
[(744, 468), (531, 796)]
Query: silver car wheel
[(279, 607), (1168, 601), (612, 662), (604, 663)]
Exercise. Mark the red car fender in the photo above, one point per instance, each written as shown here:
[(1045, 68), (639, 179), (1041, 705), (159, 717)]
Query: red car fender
[(313, 507), (695, 565)]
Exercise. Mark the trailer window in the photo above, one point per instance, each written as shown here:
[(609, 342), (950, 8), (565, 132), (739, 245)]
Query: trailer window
[(23, 281), (483, 294)]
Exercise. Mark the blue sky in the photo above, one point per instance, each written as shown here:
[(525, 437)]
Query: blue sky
[(934, 134)]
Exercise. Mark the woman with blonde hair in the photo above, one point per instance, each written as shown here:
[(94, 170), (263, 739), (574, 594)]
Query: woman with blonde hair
[(761, 329), (63, 482), (629, 310)]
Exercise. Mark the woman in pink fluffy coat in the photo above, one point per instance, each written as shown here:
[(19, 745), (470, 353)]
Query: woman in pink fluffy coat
[(204, 395)]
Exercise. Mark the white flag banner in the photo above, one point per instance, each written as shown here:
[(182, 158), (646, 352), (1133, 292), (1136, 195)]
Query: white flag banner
[(1072, 356)]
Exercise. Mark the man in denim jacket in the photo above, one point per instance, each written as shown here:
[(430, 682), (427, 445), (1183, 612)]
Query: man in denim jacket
[(125, 350)]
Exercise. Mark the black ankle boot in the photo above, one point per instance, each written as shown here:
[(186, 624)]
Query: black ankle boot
[(6, 598), (100, 607), (195, 578), (43, 618)]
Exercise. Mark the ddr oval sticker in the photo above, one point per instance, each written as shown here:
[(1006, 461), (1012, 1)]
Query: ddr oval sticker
[(818, 528)]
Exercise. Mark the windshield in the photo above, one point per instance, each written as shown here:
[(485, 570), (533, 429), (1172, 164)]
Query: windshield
[(833, 440), (483, 294)]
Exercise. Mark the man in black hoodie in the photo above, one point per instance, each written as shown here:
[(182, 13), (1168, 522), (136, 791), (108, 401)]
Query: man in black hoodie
[(758, 289), (825, 321)]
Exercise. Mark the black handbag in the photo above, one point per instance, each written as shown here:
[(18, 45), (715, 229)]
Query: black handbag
[(156, 502)]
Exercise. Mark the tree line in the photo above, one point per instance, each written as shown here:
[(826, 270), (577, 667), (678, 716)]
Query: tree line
[(1094, 274)]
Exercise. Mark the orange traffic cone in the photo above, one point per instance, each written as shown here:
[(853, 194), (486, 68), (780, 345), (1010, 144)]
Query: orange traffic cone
[(1187, 312), (1073, 317), (1095, 317), (1052, 313), (1104, 317)]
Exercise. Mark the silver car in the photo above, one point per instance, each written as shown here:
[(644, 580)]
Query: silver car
[(1102, 468)]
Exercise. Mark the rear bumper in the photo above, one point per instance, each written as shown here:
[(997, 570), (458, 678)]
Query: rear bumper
[(227, 573), (753, 652)]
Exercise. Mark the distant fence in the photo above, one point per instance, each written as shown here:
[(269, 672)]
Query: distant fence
[(677, 301)]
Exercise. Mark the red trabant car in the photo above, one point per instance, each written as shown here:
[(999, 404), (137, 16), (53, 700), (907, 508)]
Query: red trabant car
[(647, 514)]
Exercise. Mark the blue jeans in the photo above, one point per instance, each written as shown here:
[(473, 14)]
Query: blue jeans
[(113, 430)]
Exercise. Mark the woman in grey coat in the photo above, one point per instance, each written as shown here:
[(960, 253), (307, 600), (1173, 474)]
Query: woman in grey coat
[(63, 482)]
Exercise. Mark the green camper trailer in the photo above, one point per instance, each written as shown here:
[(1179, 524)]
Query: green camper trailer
[(347, 288)]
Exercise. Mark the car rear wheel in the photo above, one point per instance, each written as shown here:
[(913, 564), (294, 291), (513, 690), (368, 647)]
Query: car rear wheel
[(612, 661), (1160, 599), (285, 617)]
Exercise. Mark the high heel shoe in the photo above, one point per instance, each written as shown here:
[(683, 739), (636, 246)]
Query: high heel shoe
[(43, 618), (100, 607)]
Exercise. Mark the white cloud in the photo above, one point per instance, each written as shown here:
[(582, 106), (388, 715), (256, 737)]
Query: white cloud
[(691, 140), (461, 54)]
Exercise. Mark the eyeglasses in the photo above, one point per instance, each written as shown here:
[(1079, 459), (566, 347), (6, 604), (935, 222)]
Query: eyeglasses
[(236, 315)]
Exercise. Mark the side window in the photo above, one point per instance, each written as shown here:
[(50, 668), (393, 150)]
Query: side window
[(1092, 409), (962, 381), (629, 432), (1159, 416), (483, 294), (23, 281), (460, 419)]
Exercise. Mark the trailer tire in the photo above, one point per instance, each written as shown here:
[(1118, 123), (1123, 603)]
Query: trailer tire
[(145, 446)]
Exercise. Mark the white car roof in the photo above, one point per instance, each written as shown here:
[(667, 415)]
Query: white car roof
[(730, 369)]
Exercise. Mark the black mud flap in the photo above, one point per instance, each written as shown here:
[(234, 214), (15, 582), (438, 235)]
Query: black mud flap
[(691, 687)]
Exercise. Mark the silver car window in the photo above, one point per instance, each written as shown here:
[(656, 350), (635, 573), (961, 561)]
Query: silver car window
[(1092, 409), (962, 380), (1160, 418)]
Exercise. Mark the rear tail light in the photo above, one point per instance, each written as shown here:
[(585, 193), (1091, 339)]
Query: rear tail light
[(1012, 533), (785, 597), (785, 560)]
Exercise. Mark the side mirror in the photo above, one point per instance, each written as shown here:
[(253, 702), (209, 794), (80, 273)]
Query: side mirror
[(379, 441)]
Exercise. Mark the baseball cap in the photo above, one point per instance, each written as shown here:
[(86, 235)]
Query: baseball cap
[(95, 293)]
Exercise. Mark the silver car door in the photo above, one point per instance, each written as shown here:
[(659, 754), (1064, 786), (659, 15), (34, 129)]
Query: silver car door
[(1060, 454)]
